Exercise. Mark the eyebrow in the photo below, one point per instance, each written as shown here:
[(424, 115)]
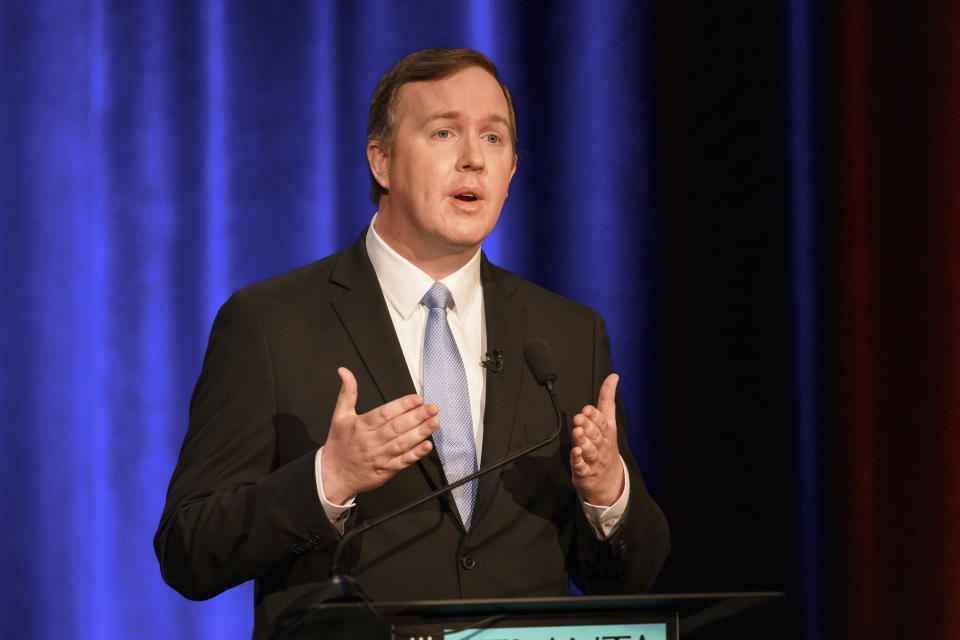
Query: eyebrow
[(454, 115)]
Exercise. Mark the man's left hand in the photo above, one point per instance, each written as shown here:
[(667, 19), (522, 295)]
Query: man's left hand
[(595, 457)]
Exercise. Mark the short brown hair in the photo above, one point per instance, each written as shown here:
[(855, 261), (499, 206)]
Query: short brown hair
[(430, 64)]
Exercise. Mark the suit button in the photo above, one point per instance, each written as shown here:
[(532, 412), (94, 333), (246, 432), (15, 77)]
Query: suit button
[(467, 561), (297, 548)]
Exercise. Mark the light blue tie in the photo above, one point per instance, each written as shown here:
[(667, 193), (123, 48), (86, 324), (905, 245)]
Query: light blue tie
[(445, 385)]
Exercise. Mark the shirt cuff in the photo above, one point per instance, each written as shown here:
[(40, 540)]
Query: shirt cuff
[(605, 520), (337, 514)]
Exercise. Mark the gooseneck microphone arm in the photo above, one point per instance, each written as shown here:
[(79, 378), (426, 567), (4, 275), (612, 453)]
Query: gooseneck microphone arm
[(539, 358), (340, 585)]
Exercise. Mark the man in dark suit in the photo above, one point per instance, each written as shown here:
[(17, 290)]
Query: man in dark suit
[(281, 457)]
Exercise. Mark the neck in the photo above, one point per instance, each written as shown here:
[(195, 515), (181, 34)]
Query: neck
[(437, 260)]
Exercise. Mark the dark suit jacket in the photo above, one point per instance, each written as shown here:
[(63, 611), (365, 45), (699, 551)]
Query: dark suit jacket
[(243, 504)]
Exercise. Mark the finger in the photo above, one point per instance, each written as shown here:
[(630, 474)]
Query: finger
[(589, 418), (410, 456), (411, 438), (607, 401), (376, 418), (589, 451), (579, 420), (409, 420), (588, 448), (593, 423), (578, 465), (579, 436), (347, 398)]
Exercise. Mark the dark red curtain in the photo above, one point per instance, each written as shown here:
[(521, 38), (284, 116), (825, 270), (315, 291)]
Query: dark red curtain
[(898, 187)]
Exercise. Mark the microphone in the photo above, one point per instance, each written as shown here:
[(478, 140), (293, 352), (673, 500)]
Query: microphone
[(543, 365), (342, 586), (493, 363)]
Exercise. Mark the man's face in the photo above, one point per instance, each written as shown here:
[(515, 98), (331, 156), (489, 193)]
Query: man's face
[(449, 168)]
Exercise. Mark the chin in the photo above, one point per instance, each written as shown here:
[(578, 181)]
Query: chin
[(465, 240), (471, 231), (461, 243)]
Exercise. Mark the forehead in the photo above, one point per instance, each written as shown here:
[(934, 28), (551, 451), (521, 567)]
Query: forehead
[(471, 91)]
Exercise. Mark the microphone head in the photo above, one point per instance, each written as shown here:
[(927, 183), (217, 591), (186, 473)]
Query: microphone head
[(539, 357)]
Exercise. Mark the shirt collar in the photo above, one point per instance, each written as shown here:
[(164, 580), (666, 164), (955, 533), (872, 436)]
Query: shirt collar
[(404, 284)]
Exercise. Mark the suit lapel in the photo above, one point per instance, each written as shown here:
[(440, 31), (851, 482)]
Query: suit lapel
[(506, 330), (362, 310)]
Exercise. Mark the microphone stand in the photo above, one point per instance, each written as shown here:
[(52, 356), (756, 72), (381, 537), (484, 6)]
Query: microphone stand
[(370, 524), (342, 587)]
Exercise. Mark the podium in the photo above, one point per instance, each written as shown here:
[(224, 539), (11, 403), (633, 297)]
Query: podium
[(646, 617)]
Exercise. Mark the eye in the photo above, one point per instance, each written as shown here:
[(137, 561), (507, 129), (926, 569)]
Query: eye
[(443, 134), (493, 138)]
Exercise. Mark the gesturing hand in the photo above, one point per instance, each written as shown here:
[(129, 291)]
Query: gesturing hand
[(595, 456), (364, 451)]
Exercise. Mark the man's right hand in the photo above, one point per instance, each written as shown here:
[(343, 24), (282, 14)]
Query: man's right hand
[(364, 451)]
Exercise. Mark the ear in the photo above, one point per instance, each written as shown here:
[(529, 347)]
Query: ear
[(379, 161), (513, 170)]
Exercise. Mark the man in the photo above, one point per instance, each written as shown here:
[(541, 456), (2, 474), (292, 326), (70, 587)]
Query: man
[(355, 353)]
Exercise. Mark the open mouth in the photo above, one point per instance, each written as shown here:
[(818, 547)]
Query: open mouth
[(466, 197)]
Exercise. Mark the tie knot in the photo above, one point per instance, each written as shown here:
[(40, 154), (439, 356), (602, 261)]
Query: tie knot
[(438, 297)]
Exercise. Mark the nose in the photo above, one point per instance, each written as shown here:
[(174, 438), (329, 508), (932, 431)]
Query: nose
[(471, 154)]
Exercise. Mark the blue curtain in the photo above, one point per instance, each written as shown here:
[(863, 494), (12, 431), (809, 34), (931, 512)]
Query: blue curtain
[(156, 156)]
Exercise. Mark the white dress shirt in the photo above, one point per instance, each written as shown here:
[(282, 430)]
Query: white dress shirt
[(403, 286)]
